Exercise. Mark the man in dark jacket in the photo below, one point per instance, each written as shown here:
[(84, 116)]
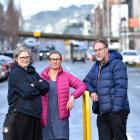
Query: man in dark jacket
[(107, 83)]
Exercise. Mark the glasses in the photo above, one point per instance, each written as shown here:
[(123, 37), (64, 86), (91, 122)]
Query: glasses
[(55, 59), (25, 57), (99, 50)]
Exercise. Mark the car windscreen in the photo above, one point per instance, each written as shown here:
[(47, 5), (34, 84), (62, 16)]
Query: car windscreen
[(129, 53)]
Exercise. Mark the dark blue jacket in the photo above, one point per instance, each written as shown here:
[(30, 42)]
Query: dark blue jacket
[(111, 86), (25, 88)]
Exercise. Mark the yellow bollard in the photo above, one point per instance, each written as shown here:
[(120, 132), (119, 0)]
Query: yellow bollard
[(86, 116)]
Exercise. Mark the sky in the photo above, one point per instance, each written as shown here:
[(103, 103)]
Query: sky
[(30, 7)]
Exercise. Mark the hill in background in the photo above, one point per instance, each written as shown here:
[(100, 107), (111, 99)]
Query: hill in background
[(60, 20)]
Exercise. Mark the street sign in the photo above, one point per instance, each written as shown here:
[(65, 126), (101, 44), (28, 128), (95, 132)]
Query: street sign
[(133, 22), (36, 34)]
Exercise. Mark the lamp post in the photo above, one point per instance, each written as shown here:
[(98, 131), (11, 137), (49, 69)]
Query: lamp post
[(108, 24), (123, 33)]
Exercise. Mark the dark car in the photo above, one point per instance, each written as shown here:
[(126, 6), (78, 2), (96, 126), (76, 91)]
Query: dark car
[(78, 53), (8, 53), (45, 52), (6, 62), (3, 73)]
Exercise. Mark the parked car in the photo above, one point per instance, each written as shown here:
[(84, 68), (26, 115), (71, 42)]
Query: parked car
[(3, 73), (8, 53), (131, 57), (6, 62), (30, 43), (78, 53)]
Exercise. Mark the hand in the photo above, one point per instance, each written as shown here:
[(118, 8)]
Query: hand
[(70, 103), (42, 86), (94, 97)]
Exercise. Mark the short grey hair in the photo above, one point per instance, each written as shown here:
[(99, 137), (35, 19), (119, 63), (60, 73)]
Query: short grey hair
[(20, 49), (103, 41)]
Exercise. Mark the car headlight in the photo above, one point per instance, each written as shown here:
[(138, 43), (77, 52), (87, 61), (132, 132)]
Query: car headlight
[(40, 54), (48, 53)]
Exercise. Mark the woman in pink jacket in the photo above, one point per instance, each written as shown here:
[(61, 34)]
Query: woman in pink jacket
[(57, 103)]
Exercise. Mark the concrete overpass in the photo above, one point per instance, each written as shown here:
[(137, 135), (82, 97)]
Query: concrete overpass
[(64, 36)]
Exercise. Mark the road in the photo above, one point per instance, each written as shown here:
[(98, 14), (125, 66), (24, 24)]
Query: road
[(76, 125)]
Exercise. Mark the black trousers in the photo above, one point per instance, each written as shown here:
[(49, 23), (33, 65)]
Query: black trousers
[(112, 126), (27, 128)]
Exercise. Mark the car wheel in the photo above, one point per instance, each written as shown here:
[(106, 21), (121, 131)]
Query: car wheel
[(40, 58), (73, 61), (83, 60)]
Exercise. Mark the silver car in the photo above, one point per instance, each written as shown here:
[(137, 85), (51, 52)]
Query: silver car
[(131, 57)]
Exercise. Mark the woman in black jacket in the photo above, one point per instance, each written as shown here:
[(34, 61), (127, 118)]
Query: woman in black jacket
[(25, 88)]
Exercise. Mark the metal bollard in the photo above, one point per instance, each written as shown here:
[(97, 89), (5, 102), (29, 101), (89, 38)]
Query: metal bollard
[(86, 116)]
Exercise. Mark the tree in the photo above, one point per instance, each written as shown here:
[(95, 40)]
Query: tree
[(12, 17), (1, 18)]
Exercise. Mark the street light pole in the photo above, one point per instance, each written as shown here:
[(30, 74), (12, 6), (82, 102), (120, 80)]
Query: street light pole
[(108, 20)]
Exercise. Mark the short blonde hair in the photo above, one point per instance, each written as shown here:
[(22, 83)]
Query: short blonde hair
[(20, 49)]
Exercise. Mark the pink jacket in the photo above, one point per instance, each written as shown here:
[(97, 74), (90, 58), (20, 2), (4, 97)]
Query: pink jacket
[(64, 81)]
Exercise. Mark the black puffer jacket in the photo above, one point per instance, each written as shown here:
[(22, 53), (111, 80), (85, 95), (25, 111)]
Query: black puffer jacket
[(25, 88)]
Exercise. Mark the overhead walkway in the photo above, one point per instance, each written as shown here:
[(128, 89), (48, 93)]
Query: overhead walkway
[(63, 36)]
